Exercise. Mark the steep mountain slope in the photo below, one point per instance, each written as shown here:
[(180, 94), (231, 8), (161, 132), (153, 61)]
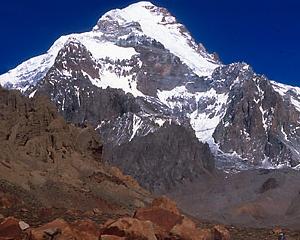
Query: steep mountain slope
[(128, 80), (80, 101), (50, 168), (162, 159)]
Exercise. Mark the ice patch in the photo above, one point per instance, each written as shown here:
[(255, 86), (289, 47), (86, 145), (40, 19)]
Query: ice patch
[(203, 122), (284, 90), (31, 95), (136, 124)]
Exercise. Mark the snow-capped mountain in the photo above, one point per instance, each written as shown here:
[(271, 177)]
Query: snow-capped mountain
[(129, 26), (129, 81)]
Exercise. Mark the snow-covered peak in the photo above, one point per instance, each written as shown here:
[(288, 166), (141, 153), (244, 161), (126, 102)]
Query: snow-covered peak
[(157, 23), (140, 11), (141, 19), (289, 92)]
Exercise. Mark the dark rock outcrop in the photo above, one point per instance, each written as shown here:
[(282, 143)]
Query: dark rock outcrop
[(164, 158), (258, 124), (76, 98)]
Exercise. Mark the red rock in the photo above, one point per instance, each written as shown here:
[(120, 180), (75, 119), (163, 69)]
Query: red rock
[(221, 233), (187, 230), (159, 216), (86, 229), (277, 230), (131, 228), (61, 230), (10, 229), (57, 228), (166, 203)]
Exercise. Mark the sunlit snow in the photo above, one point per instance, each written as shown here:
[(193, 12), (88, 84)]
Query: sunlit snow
[(165, 30)]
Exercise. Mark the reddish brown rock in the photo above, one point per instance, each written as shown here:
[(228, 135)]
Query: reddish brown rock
[(221, 233), (166, 203), (159, 216), (53, 163), (131, 228), (10, 229), (128, 180), (57, 228), (86, 230), (277, 230), (61, 230), (187, 230)]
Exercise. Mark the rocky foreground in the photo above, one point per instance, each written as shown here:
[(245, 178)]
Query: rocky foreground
[(160, 220)]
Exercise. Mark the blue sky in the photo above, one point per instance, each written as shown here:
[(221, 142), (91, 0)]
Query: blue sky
[(263, 33)]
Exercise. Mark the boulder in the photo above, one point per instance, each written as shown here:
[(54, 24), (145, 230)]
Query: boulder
[(61, 230), (58, 228), (187, 230), (86, 230), (166, 203), (130, 228), (159, 216), (221, 233), (23, 225), (10, 229), (277, 230)]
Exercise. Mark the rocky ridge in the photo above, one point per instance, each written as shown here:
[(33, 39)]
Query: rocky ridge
[(50, 168)]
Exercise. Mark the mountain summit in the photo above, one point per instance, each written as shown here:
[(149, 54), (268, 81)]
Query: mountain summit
[(152, 21), (137, 21), (144, 83)]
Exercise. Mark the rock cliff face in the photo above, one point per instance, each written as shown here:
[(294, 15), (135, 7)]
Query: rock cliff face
[(49, 167), (75, 96), (259, 124), (34, 129), (111, 111), (127, 79), (164, 158)]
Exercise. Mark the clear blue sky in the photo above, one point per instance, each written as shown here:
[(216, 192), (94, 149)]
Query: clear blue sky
[(263, 33)]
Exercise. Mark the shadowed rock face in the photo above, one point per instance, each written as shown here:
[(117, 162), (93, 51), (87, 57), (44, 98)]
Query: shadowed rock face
[(164, 158), (161, 70), (269, 184), (259, 124), (76, 98)]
